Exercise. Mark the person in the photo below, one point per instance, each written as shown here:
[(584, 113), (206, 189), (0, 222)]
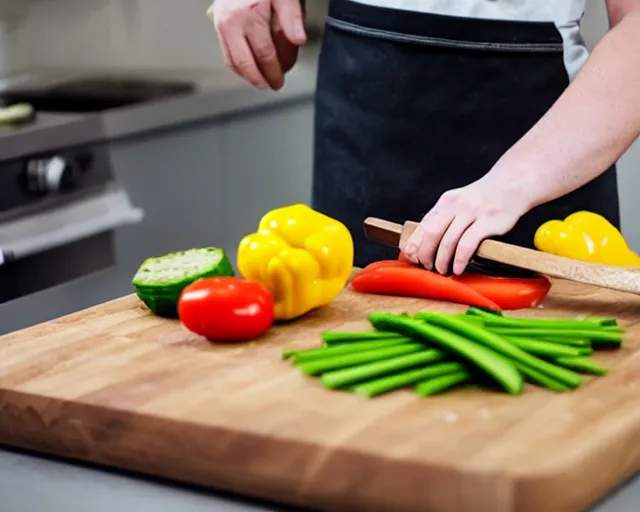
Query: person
[(482, 118)]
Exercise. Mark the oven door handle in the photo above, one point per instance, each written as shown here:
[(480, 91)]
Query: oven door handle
[(65, 224)]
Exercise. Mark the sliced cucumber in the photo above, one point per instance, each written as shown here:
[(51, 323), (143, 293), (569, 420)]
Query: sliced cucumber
[(160, 280), (15, 114)]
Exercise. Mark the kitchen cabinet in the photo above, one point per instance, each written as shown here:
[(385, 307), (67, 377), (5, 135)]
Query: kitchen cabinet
[(268, 157), (199, 184)]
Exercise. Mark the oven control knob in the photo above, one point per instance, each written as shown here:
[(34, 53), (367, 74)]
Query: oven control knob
[(49, 175)]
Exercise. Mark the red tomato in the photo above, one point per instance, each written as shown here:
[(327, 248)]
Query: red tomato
[(226, 309)]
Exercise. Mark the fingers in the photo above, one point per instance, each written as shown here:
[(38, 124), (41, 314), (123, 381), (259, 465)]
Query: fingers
[(247, 42), (484, 227), (266, 56), (421, 246), (468, 244), (449, 244), (289, 15), (242, 60)]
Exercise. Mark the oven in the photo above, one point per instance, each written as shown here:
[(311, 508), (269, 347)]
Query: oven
[(60, 209)]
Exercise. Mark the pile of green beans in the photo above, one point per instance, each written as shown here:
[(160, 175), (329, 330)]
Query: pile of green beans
[(436, 352)]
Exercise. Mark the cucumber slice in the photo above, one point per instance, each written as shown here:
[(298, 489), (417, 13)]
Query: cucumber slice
[(161, 305), (160, 280), (15, 114)]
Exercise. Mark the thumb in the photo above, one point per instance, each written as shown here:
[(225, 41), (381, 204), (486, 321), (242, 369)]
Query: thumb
[(289, 16)]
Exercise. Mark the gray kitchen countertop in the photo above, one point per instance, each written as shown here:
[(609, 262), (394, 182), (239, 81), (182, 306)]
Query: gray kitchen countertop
[(33, 484), (218, 94)]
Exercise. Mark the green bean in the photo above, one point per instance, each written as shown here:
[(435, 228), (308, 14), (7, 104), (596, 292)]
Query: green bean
[(356, 346), (400, 380), (355, 374), (344, 361), (602, 321), (540, 378), (582, 364), (482, 313), (548, 349), (502, 346), (599, 335), (335, 337), (546, 323), (478, 320), (495, 365), (439, 384), (563, 341)]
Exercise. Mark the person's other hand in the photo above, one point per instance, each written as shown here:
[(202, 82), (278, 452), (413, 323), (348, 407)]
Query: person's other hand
[(259, 38), (461, 219)]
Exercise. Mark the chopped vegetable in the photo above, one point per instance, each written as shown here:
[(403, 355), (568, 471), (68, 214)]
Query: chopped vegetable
[(226, 309), (17, 114), (159, 281), (582, 364), (392, 382), (335, 338), (501, 346), (602, 336), (545, 323), (494, 364), (347, 348), (507, 292), (417, 282), (439, 384), (464, 342), (482, 313), (352, 359), (542, 379), (302, 256), (354, 374), (564, 341), (548, 349), (389, 264)]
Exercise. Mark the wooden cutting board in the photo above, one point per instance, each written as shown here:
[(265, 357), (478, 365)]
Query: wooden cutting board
[(116, 386)]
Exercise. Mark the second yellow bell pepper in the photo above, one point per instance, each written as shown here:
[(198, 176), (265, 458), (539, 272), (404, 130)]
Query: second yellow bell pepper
[(585, 236), (302, 256)]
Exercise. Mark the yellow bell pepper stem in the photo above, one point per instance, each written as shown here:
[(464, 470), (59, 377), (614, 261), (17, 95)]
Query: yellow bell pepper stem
[(585, 236), (302, 256)]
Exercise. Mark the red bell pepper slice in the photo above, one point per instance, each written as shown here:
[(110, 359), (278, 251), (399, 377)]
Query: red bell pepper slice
[(506, 292), (389, 264), (418, 282)]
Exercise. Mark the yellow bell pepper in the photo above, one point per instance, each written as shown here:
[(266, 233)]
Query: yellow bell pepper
[(585, 236), (302, 256)]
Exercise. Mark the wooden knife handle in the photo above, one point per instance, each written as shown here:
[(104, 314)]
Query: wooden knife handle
[(626, 279)]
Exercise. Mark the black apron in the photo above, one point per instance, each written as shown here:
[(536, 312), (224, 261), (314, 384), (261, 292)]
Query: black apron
[(410, 105)]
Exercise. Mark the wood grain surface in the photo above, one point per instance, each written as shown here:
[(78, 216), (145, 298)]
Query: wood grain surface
[(116, 386)]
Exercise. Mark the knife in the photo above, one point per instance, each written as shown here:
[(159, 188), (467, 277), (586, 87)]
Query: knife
[(394, 235), (626, 279)]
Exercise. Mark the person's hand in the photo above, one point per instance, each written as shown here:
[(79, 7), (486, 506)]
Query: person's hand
[(461, 219), (259, 38)]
